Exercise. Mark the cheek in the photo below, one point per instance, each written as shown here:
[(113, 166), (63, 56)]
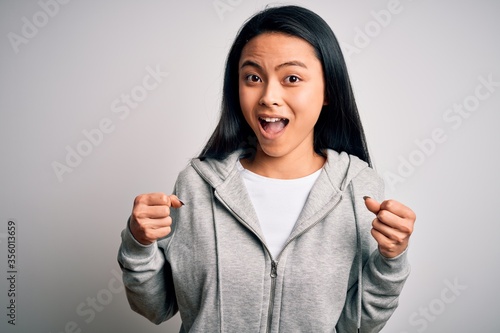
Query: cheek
[(310, 104), (312, 93), (246, 102), (243, 95), (244, 105)]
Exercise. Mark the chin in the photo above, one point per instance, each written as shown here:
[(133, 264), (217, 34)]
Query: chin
[(273, 151)]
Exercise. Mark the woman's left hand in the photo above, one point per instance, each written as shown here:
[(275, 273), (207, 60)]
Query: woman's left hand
[(392, 226)]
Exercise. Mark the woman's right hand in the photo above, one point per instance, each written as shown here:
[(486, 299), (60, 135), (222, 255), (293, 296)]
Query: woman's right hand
[(150, 219)]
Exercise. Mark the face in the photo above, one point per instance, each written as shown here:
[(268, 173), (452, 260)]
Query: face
[(281, 90)]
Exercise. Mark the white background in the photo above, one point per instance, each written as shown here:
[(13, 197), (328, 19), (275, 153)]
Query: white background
[(408, 71)]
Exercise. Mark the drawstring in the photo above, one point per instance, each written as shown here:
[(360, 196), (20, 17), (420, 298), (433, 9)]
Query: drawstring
[(348, 182), (360, 258)]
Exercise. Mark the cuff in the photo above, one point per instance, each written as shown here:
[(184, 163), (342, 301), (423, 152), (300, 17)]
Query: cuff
[(131, 248), (399, 263)]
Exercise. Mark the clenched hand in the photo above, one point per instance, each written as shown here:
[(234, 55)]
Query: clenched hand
[(150, 218), (392, 226)]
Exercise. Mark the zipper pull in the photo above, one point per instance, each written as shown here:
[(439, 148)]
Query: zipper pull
[(274, 268)]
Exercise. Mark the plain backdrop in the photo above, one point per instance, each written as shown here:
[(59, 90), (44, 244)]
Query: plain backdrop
[(426, 77)]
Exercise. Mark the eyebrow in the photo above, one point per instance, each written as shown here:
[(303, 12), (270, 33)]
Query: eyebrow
[(285, 64)]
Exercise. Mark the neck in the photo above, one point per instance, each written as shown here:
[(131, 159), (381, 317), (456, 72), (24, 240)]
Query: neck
[(284, 167)]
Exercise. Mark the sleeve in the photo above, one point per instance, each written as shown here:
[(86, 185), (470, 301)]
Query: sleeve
[(147, 278), (372, 301)]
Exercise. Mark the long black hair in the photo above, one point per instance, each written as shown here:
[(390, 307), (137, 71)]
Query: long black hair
[(338, 126)]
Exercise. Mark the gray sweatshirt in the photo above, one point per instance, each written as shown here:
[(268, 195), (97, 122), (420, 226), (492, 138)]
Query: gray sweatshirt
[(215, 268)]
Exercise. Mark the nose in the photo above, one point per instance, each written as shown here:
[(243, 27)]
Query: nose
[(271, 94)]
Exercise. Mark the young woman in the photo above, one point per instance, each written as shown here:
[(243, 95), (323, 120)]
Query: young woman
[(278, 232)]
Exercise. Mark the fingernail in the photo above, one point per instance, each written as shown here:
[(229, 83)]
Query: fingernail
[(182, 202), (366, 197)]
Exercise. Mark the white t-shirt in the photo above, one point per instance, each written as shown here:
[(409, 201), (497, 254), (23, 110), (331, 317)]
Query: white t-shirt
[(278, 203)]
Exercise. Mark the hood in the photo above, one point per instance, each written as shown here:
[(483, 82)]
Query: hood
[(339, 169)]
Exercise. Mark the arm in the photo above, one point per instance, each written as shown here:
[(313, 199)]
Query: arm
[(146, 274), (383, 281), (385, 266), (147, 279)]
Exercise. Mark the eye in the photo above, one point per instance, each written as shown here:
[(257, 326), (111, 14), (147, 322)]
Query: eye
[(292, 79), (252, 78)]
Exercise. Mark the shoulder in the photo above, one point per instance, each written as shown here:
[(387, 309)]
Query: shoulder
[(200, 172), (360, 169), (357, 173), (188, 177), (188, 172), (368, 181), (350, 166), (368, 174)]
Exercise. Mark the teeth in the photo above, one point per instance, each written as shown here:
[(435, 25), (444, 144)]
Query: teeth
[(271, 120)]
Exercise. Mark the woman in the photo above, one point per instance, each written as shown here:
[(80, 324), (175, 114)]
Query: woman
[(278, 232)]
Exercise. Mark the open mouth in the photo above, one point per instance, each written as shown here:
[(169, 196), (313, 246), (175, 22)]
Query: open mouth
[(273, 125)]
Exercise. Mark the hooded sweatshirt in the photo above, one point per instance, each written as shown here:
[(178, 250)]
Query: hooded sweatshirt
[(216, 270)]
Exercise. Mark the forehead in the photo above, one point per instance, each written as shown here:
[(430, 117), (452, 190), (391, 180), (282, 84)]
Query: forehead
[(276, 47)]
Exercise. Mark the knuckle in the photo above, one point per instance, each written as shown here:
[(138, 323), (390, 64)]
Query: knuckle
[(382, 214), (136, 216), (150, 234), (164, 198), (139, 199), (406, 229), (168, 221), (139, 213), (391, 247), (390, 204), (141, 227), (398, 239)]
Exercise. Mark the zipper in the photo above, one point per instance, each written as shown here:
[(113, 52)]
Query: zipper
[(274, 274)]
